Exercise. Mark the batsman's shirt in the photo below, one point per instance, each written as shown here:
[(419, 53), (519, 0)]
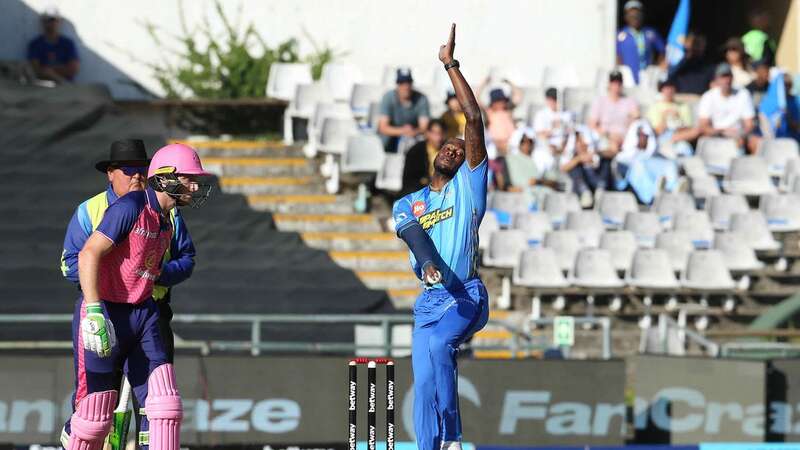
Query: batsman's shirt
[(141, 235), (451, 218)]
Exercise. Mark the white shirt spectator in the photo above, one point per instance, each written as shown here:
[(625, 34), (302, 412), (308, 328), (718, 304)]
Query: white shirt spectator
[(555, 122), (726, 112), (630, 146), (546, 161)]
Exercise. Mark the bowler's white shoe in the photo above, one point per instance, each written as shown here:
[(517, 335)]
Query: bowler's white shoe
[(451, 445)]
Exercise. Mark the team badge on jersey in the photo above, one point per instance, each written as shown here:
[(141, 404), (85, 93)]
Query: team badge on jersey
[(418, 208)]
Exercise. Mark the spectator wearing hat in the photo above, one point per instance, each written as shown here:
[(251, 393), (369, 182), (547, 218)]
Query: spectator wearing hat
[(739, 62), (500, 121), (672, 121), (638, 46), (758, 87), (126, 171), (404, 114), (641, 165), (727, 112), (418, 168), (53, 56), (550, 123), (611, 115), (693, 75), (453, 119)]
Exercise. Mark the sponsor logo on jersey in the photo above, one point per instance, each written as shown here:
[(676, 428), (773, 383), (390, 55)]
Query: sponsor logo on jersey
[(434, 217), (418, 208)]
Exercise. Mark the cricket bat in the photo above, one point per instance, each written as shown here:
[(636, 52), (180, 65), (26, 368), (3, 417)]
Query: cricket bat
[(118, 436)]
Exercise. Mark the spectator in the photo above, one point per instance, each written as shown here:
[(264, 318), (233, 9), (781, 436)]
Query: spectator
[(728, 112), (524, 175), (418, 167), (638, 46), (787, 122), (672, 122), (738, 60), (500, 121), (641, 167), (404, 114), (758, 87), (585, 168), (693, 75), (53, 56), (757, 42), (550, 124), (611, 115), (453, 119)]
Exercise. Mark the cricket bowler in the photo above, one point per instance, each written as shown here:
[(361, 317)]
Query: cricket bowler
[(439, 223)]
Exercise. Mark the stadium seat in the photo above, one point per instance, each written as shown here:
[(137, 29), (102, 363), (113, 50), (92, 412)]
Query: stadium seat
[(588, 225), (717, 153), (565, 244), (782, 211), (748, 175), (505, 247), (561, 77), (706, 271), (791, 173), (489, 225), (373, 115), (777, 153), (697, 225), (667, 204), (340, 79), (722, 207), (752, 227), (534, 224), (362, 96), (704, 186), (645, 226), (284, 78), (539, 268), (390, 177), (592, 270), (436, 98), (364, 153), (532, 96), (321, 112), (738, 255), (621, 245), (506, 204), (574, 98), (558, 204), (628, 81), (678, 245), (652, 269), (334, 134), (302, 106), (693, 167), (613, 206)]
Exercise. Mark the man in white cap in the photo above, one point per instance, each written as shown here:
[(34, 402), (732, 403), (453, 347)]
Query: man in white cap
[(53, 56)]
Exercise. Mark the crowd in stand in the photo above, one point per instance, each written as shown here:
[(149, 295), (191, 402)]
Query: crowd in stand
[(619, 141)]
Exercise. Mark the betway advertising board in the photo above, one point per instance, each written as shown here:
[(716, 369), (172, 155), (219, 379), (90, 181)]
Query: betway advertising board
[(271, 400)]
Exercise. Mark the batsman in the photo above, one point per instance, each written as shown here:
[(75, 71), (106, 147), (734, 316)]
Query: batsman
[(439, 223), (115, 323)]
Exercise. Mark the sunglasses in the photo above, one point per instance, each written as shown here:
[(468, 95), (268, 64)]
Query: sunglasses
[(131, 171)]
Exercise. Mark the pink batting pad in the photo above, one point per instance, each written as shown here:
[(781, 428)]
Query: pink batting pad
[(91, 421), (164, 409)]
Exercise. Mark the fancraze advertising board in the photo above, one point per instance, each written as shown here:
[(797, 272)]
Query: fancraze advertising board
[(230, 400)]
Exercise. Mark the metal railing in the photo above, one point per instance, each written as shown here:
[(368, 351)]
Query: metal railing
[(520, 341), (666, 326)]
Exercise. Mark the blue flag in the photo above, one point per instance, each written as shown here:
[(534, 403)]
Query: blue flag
[(677, 34), (773, 105)]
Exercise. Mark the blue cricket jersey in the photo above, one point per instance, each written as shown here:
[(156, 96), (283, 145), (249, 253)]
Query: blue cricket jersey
[(451, 218)]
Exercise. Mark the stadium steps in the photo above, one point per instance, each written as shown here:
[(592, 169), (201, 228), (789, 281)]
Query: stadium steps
[(279, 179), (326, 222), (352, 241)]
